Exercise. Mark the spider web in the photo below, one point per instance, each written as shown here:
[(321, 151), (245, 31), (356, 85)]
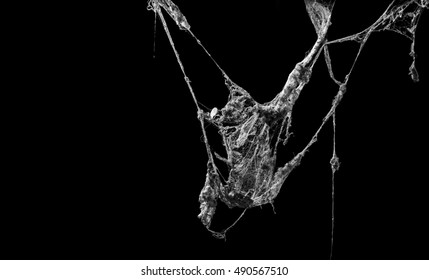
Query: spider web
[(251, 132)]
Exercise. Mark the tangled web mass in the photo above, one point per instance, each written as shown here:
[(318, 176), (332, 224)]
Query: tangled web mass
[(251, 131)]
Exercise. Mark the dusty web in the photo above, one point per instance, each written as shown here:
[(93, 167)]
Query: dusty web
[(251, 132)]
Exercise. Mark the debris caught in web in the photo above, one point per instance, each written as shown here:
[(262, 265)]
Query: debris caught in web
[(251, 132)]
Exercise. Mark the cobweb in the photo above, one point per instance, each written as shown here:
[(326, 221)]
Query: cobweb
[(251, 132)]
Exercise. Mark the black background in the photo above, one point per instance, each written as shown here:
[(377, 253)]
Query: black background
[(105, 159)]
